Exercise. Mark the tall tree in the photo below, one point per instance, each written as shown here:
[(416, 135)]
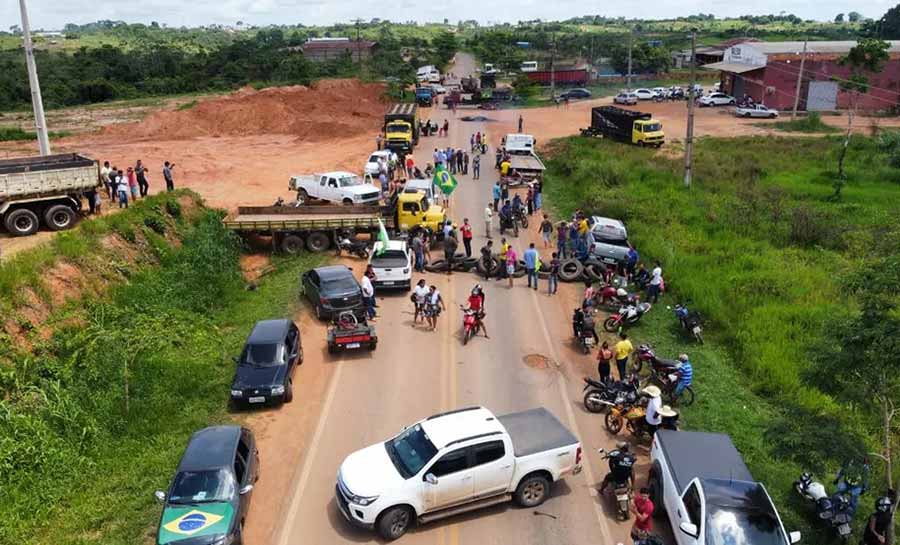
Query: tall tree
[(888, 27), (839, 18)]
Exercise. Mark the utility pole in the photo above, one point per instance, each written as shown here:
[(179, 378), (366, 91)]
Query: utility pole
[(799, 82), (40, 123), (552, 67), (689, 139), (628, 77), (358, 52)]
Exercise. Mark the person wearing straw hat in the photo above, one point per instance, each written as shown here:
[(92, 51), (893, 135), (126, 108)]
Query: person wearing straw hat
[(653, 418), (669, 418)]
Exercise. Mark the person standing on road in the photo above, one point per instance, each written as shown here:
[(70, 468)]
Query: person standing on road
[(604, 358), (529, 200), (476, 167), (487, 257), (498, 156), (553, 279), (472, 142), (434, 307), (562, 231), (538, 185), (531, 265), (624, 349), (122, 189), (465, 165), (511, 261), (106, 176), (379, 140), (546, 229), (141, 173), (488, 219), (459, 161), (656, 281), (446, 127), (495, 193), (420, 299), (521, 123), (410, 165), (450, 245), (368, 293), (504, 190), (466, 231), (167, 175), (642, 507), (133, 184), (504, 168), (419, 252)]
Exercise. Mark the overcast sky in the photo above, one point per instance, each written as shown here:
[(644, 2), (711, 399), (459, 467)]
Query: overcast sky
[(53, 14)]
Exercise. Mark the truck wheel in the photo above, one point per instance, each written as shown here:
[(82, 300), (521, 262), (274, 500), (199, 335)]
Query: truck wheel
[(347, 202), (289, 392), (292, 244), (656, 495), (318, 242), (59, 217), (22, 222), (532, 491), (394, 522)]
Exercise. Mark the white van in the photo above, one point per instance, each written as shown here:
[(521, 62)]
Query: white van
[(428, 74), (528, 66)]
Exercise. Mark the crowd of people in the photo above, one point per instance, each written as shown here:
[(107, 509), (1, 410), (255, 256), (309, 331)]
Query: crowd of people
[(132, 184)]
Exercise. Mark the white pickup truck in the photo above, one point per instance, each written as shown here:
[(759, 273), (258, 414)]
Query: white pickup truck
[(337, 187), (524, 164), (452, 463), (700, 480)]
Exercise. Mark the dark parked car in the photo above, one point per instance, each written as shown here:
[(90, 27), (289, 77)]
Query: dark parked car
[(332, 290), (209, 497), (573, 94), (266, 365)]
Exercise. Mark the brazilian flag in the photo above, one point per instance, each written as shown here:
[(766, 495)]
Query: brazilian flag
[(444, 180)]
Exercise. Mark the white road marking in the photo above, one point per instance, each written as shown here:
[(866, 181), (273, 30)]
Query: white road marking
[(311, 452), (588, 473)]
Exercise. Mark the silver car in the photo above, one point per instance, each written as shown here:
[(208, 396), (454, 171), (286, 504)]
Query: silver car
[(629, 99), (608, 240), (757, 110)]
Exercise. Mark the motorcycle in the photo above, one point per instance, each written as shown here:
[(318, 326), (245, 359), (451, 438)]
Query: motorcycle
[(835, 510), (626, 412), (585, 330), (596, 392), (664, 372), (354, 247), (610, 296), (520, 216), (690, 321), (621, 490), (626, 316), (471, 323), (509, 222)]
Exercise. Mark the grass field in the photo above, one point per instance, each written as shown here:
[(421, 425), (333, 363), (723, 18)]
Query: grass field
[(760, 250), (80, 457)]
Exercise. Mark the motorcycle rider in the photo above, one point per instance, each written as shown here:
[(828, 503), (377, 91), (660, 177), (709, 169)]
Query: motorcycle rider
[(506, 216), (516, 207), (853, 478), (653, 418), (476, 304), (685, 374), (583, 322), (621, 467), (877, 526)]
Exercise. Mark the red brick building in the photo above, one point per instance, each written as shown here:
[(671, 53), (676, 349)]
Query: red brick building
[(767, 72), (321, 49)]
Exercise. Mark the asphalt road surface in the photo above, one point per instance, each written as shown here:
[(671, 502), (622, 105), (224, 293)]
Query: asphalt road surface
[(528, 361)]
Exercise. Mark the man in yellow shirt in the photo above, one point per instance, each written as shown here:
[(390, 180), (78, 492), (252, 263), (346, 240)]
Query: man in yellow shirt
[(504, 167), (583, 227), (504, 247), (623, 350)]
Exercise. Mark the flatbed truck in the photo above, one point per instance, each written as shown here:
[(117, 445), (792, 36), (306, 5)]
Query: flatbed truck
[(316, 227), (44, 190), (625, 125)]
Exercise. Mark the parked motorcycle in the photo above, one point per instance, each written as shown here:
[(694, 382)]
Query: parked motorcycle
[(583, 327), (621, 490), (359, 248), (520, 217), (690, 321), (598, 394), (664, 372), (835, 510), (626, 412), (626, 316), (610, 296)]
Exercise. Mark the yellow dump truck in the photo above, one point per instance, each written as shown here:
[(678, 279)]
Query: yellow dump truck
[(401, 127)]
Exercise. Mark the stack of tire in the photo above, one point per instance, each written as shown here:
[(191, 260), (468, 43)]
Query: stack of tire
[(461, 263), (493, 270), (573, 270)]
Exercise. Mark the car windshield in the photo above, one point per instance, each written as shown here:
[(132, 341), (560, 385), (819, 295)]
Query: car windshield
[(342, 284), (410, 451), (202, 487), (652, 127), (373, 159), (611, 241), (390, 258), (398, 127), (350, 181), (263, 354)]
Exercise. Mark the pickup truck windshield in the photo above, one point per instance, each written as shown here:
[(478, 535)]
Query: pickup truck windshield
[(350, 181), (398, 127), (410, 451), (202, 487)]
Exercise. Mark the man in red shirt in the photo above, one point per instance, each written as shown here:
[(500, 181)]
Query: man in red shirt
[(476, 303), (466, 231), (642, 508), (409, 165)]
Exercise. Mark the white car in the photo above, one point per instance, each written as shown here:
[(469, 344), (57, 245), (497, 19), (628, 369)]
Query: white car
[(372, 163), (452, 463), (438, 89), (337, 187), (629, 99), (757, 110), (715, 99), (645, 94), (660, 91), (392, 266)]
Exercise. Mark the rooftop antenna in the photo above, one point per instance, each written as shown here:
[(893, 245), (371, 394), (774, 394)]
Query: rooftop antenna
[(40, 123)]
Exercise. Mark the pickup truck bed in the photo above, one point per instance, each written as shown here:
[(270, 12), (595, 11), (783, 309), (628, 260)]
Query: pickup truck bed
[(525, 162), (536, 430), (700, 454)]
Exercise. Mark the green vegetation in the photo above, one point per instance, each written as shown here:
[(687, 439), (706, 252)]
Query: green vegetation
[(187, 105), (97, 402), (761, 251), (812, 122), (8, 134)]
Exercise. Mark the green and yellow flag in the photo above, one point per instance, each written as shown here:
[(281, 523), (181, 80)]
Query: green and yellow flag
[(444, 180)]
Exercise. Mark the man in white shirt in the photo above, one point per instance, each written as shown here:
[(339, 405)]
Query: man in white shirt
[(105, 177), (420, 292), (368, 293), (653, 418), (488, 219), (656, 281)]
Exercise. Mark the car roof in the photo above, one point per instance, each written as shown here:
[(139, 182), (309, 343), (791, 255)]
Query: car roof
[(609, 226), (381, 153), (333, 271), (338, 174), (461, 424), (210, 448), (269, 331)]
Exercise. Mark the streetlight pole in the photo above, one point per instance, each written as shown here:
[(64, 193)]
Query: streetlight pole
[(799, 82), (689, 139), (628, 76), (40, 123)]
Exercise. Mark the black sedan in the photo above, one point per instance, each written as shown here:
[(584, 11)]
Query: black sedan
[(266, 364), (574, 94), (332, 290)]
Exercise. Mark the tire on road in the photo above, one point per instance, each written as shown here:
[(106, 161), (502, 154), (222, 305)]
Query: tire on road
[(491, 270), (532, 491), (59, 217), (292, 244), (22, 222), (318, 241), (570, 270), (595, 271), (520, 269), (438, 265), (394, 522)]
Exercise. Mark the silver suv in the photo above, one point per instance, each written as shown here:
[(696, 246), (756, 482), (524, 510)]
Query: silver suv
[(608, 240)]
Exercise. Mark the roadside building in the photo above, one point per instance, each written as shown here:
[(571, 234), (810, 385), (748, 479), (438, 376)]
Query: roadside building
[(705, 55), (323, 49), (767, 72)]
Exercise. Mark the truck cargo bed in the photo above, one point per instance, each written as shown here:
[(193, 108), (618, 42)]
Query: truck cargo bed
[(536, 430), (288, 218), (693, 454), (32, 177), (525, 162)]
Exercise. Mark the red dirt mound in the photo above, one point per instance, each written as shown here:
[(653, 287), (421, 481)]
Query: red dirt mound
[(328, 109)]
